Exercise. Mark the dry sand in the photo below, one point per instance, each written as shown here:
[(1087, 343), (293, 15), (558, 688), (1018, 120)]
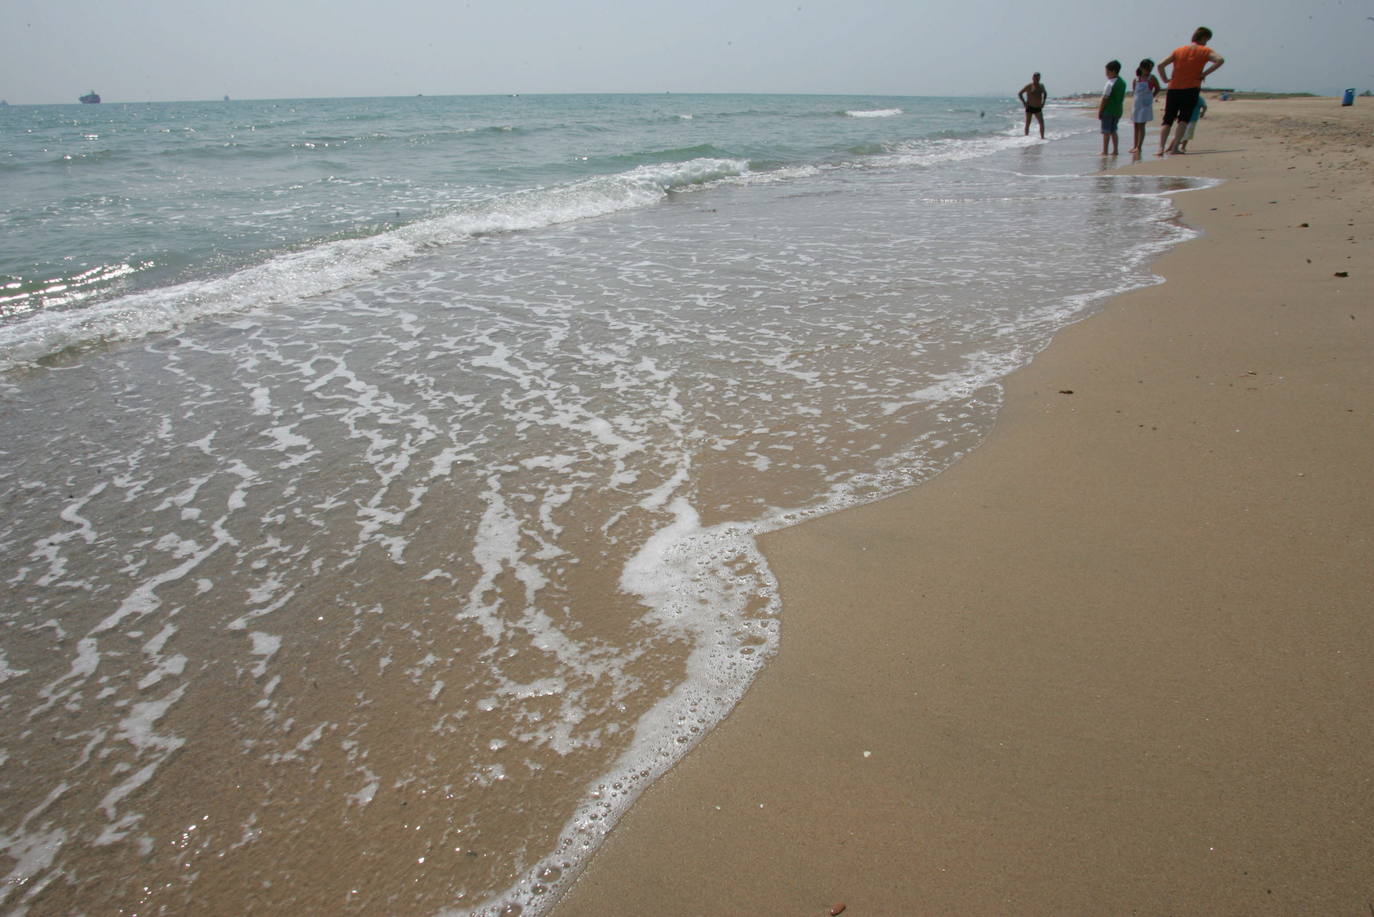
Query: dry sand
[(1119, 660)]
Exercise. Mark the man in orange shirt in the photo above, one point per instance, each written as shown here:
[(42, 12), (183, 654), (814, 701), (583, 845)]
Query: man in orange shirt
[(1194, 64)]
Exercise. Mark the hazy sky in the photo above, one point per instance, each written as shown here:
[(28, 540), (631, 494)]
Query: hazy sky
[(145, 50)]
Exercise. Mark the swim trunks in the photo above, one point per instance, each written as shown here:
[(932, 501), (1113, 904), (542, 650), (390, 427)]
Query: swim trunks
[(1179, 105), (1034, 109)]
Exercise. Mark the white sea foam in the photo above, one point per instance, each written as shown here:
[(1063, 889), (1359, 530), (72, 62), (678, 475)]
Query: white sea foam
[(6, 671), (875, 113), (292, 276), (265, 646), (689, 578), (33, 853)]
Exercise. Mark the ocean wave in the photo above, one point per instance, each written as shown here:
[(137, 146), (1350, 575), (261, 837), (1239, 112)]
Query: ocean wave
[(701, 151), (19, 296), (92, 157), (927, 152), (753, 113), (333, 265), (251, 145), (875, 113), (871, 149)]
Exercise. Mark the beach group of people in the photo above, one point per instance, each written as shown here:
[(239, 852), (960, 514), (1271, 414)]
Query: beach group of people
[(1183, 102)]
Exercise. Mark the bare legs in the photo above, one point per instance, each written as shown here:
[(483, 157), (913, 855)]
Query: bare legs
[(1164, 138), (1139, 143)]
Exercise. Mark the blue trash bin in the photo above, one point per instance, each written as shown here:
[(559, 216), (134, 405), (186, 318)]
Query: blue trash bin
[(1348, 98)]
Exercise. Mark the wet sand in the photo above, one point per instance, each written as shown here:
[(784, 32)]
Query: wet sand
[(1119, 659)]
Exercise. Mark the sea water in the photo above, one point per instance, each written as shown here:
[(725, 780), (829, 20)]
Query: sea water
[(381, 477)]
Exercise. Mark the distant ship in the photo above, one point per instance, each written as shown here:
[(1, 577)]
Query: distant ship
[(90, 98)]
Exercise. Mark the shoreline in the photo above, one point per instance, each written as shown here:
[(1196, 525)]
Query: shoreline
[(1117, 658)]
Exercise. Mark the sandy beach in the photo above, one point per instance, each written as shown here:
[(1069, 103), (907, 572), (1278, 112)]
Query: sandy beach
[(1159, 700)]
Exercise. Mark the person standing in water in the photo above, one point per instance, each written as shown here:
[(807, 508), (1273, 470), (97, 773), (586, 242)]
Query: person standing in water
[(1142, 102), (1193, 63), (1110, 108), (1033, 96)]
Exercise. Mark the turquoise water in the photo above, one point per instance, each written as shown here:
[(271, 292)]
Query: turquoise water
[(381, 478), (112, 199)]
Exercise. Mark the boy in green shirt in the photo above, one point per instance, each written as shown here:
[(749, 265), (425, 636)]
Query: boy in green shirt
[(1112, 104)]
